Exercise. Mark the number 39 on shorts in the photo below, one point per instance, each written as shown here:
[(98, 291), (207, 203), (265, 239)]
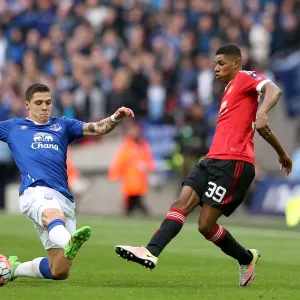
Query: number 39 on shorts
[(215, 192)]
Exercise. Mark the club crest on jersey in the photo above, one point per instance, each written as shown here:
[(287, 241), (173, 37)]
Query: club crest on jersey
[(43, 140), (23, 127), (55, 127), (48, 196), (230, 90)]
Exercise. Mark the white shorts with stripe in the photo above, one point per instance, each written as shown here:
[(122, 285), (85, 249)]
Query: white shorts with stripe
[(34, 200)]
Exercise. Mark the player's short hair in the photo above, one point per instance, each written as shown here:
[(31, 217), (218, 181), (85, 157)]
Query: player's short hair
[(230, 49), (35, 88)]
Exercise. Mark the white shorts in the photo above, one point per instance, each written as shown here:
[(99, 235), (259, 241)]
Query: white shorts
[(34, 200)]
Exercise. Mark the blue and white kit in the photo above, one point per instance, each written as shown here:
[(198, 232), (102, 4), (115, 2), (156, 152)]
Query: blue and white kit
[(40, 151)]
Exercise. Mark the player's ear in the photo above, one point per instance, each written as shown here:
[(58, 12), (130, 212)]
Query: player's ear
[(26, 103), (237, 63)]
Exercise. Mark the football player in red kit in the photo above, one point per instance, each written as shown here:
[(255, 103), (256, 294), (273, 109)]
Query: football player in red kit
[(221, 180)]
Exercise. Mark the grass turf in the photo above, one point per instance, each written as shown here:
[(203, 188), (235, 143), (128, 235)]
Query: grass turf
[(189, 268)]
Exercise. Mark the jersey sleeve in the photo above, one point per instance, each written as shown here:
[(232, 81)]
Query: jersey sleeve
[(75, 129), (5, 127), (253, 81)]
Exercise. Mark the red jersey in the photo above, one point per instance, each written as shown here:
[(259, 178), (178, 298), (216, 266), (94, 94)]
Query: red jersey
[(233, 139)]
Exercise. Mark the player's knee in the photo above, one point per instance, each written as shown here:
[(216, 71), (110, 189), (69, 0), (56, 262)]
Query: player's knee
[(183, 204), (205, 228), (180, 204), (187, 200), (60, 274), (51, 214)]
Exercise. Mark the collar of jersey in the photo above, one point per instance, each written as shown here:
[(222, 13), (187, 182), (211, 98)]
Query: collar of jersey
[(228, 84), (37, 123)]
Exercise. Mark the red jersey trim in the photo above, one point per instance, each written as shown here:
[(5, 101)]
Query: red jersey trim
[(231, 157)]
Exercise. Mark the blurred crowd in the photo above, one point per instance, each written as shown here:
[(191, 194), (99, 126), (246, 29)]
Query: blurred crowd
[(155, 56)]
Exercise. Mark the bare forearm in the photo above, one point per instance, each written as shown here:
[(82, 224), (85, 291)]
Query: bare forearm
[(107, 125), (99, 128), (272, 96), (269, 136)]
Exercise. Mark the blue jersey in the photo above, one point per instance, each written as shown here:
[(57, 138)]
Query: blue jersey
[(40, 150)]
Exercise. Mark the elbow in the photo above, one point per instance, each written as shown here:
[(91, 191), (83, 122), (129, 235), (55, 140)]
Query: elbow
[(275, 95), (273, 91), (278, 93)]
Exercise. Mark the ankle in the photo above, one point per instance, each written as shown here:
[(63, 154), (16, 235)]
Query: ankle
[(154, 250)]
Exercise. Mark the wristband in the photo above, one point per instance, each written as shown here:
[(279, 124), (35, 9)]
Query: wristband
[(112, 117)]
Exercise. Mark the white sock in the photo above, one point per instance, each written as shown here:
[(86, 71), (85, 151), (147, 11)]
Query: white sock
[(29, 269), (59, 236)]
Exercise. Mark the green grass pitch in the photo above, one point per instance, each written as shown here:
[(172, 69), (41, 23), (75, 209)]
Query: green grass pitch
[(189, 268)]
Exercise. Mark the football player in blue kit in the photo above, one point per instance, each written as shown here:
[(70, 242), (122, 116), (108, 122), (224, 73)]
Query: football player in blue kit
[(39, 146)]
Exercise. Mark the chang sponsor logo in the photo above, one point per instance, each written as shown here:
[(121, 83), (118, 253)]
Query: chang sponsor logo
[(43, 140)]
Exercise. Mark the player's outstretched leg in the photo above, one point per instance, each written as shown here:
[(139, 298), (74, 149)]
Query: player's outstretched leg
[(140, 255), (77, 239), (222, 238), (37, 268), (14, 262), (169, 228), (40, 267)]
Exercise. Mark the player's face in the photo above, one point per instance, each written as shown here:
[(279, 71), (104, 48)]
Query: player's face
[(40, 107), (226, 67)]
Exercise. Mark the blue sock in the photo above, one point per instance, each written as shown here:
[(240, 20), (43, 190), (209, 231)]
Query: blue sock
[(54, 223), (45, 269)]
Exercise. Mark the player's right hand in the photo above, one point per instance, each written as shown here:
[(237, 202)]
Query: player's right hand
[(285, 163), (123, 112)]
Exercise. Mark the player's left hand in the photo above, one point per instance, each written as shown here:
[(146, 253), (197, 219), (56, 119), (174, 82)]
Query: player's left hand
[(123, 112), (285, 163)]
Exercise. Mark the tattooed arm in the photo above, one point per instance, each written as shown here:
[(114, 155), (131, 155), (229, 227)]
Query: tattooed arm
[(107, 125), (99, 128)]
